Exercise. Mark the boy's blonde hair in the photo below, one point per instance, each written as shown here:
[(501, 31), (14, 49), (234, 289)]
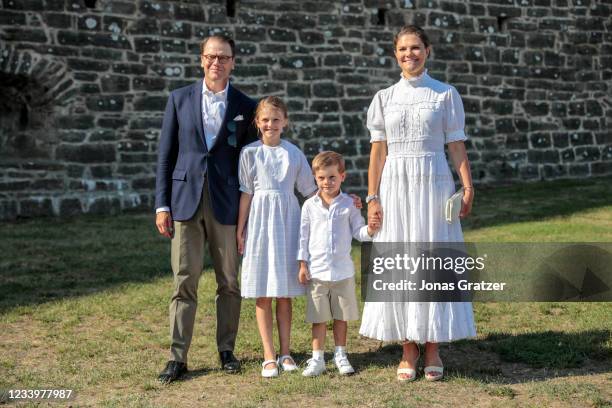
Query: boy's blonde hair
[(326, 159)]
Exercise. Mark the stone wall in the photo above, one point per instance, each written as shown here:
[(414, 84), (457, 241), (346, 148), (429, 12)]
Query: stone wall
[(84, 84)]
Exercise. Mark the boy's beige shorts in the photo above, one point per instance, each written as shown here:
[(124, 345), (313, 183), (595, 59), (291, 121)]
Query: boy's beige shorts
[(331, 300)]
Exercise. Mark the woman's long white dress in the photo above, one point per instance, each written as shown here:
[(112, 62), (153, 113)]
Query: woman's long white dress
[(270, 174), (416, 118)]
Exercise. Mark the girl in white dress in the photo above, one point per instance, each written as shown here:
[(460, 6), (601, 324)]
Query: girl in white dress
[(409, 181), (270, 170)]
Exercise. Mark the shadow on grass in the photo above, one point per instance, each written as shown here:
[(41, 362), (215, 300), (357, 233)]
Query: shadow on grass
[(494, 206), (52, 259), (299, 358), (198, 372), (508, 358)]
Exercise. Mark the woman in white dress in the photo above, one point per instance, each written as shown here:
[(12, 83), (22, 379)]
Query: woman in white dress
[(409, 181), (270, 170)]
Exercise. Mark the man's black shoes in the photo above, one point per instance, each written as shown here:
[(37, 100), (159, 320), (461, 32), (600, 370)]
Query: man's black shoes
[(173, 371), (229, 362)]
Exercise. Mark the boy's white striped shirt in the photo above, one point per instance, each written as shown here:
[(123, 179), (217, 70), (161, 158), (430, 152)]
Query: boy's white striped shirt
[(326, 235)]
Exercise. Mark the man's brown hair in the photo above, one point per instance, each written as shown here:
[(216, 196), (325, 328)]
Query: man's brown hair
[(224, 38)]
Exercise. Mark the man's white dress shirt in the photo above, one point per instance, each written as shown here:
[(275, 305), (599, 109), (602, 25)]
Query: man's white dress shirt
[(213, 112)]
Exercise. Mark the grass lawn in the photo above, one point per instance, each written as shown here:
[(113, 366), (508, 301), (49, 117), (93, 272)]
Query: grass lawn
[(84, 305)]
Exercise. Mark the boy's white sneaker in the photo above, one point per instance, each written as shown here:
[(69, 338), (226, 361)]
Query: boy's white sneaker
[(344, 366), (314, 368)]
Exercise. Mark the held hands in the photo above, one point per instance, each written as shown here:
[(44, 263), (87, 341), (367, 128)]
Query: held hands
[(163, 221), (304, 275), (375, 216), (373, 225), (466, 203)]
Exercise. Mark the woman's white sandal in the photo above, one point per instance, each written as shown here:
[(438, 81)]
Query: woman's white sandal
[(411, 372), (429, 370), (269, 372), (286, 366)]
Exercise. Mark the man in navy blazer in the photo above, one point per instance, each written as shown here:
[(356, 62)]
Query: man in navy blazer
[(205, 125)]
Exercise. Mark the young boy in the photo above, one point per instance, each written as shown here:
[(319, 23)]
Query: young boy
[(329, 222)]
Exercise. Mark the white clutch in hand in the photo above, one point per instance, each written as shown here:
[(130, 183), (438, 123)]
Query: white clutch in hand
[(453, 206)]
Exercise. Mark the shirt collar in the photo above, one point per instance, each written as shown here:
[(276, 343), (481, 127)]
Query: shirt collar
[(414, 81), (319, 200), (218, 95)]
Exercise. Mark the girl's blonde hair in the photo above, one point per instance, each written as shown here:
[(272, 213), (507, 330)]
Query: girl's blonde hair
[(273, 101)]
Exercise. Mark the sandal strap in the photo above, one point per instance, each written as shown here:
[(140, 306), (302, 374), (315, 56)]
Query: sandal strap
[(286, 356), (430, 369), (409, 371), (265, 363)]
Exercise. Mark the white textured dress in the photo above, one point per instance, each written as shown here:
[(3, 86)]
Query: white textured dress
[(271, 174), (416, 117)]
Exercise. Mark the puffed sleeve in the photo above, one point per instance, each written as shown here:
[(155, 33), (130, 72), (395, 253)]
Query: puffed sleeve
[(245, 175), (454, 117), (376, 121), (305, 181)]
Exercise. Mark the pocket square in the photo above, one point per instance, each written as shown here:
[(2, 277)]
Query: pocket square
[(238, 118)]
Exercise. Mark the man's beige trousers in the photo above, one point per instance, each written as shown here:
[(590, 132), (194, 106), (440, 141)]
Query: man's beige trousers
[(187, 264)]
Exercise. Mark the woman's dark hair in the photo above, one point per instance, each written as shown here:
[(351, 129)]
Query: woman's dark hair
[(411, 29)]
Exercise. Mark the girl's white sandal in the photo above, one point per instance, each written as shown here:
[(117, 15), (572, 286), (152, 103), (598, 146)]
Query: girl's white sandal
[(269, 372), (286, 366)]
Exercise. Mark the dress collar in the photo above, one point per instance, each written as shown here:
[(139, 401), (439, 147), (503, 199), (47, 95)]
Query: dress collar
[(414, 81)]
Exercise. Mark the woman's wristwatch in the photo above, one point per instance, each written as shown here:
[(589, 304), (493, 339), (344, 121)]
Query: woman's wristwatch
[(371, 198)]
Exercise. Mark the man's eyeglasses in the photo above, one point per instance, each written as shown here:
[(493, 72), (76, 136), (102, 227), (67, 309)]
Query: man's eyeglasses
[(223, 59)]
